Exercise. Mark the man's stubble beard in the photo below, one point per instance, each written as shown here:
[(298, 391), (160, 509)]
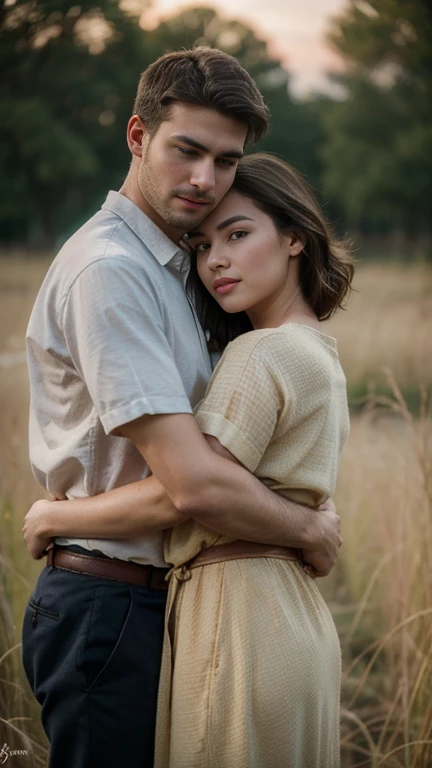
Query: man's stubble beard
[(149, 188)]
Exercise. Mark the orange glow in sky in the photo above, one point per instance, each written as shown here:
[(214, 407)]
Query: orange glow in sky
[(295, 29)]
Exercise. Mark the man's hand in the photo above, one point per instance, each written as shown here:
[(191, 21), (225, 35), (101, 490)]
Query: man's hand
[(35, 529), (320, 559)]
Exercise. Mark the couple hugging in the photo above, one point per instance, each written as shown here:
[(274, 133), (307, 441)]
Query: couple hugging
[(195, 513)]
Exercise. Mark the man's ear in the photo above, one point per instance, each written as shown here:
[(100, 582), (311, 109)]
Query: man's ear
[(136, 132), (297, 242)]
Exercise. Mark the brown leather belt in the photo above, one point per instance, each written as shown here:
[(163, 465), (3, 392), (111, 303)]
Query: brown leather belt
[(118, 570), (240, 550)]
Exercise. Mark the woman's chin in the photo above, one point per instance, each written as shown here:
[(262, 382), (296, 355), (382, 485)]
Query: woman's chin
[(231, 305), (231, 309)]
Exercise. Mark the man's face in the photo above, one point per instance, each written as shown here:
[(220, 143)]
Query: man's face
[(188, 166)]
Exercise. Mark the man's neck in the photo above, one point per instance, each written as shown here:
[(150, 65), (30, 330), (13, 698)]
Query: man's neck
[(131, 190)]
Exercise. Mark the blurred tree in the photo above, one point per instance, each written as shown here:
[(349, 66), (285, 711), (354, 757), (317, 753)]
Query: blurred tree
[(293, 128), (66, 91), (387, 38), (378, 153), (68, 80)]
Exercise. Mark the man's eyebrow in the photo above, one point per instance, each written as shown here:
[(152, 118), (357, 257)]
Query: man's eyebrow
[(235, 153), (222, 225)]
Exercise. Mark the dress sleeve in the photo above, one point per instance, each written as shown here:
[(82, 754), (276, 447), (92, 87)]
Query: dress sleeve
[(243, 401)]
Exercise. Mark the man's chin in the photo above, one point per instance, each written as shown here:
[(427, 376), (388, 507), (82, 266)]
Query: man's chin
[(186, 221)]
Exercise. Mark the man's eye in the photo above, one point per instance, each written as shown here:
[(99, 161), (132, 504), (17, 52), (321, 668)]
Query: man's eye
[(227, 163), (187, 152), (238, 234)]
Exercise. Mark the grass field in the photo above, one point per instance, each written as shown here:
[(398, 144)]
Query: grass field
[(380, 592)]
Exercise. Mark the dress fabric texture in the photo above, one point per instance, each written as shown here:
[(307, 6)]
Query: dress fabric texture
[(250, 674)]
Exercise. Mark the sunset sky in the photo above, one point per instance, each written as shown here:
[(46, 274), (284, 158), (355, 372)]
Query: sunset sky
[(296, 29)]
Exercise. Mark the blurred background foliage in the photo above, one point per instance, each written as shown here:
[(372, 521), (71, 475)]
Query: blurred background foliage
[(68, 80)]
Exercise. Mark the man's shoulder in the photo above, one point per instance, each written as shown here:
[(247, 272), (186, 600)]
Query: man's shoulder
[(104, 236), (104, 243)]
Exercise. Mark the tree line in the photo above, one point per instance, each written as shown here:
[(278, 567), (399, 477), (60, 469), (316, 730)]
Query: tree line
[(68, 75)]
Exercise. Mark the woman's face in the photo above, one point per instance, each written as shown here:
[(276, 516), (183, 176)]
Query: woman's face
[(242, 260)]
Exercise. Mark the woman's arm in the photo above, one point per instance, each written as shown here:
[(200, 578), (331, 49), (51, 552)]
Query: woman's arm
[(144, 507), (118, 514)]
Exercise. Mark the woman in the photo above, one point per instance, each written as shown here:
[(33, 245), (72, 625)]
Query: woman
[(251, 665)]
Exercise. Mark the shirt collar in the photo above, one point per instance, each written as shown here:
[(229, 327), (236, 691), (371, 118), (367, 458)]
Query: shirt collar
[(157, 242)]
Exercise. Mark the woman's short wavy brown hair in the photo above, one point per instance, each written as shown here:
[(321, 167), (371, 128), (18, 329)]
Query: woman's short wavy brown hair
[(204, 77), (326, 264)]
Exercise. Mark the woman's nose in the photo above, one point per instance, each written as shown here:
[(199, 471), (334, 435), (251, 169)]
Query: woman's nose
[(217, 259)]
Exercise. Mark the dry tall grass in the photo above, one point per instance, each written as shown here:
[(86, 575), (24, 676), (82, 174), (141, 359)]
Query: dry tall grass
[(385, 588), (388, 323), (381, 589), (19, 716)]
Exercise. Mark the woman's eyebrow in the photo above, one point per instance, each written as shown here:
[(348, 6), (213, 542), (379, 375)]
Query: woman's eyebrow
[(222, 225), (232, 220)]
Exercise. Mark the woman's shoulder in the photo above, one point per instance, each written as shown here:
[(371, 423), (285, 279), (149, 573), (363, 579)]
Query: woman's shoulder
[(252, 347), (292, 356), (290, 342)]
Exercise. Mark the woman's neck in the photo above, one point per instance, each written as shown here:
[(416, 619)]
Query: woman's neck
[(293, 309)]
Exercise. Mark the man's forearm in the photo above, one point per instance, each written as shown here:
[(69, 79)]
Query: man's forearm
[(240, 506), (205, 485), (243, 508)]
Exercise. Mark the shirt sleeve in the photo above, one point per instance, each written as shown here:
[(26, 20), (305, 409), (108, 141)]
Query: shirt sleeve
[(114, 329), (243, 402)]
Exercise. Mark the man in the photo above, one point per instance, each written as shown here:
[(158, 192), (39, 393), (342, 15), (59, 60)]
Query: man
[(117, 359)]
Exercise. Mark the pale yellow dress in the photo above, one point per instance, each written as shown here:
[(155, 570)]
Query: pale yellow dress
[(250, 671)]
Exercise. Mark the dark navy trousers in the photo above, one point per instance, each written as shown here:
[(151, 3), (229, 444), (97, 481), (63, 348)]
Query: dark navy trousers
[(92, 652)]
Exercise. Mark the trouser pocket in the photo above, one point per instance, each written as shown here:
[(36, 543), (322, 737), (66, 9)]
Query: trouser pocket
[(95, 668), (39, 611), (39, 624), (106, 624)]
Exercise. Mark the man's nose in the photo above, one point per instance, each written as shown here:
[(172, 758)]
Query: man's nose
[(203, 175)]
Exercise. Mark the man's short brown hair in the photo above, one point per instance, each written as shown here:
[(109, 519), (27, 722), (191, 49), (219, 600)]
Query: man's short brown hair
[(204, 77)]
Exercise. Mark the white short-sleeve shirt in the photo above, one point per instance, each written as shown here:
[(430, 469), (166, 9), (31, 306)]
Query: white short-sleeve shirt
[(112, 337)]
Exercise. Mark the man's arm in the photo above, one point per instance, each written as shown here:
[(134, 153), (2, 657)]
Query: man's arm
[(224, 496), (144, 507)]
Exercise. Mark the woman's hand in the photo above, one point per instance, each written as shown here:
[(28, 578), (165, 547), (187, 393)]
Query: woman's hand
[(36, 530)]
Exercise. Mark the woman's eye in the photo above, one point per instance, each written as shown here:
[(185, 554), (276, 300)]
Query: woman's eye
[(202, 247), (238, 234)]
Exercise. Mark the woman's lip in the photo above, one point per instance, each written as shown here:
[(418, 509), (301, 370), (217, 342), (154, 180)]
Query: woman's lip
[(226, 287), (192, 203)]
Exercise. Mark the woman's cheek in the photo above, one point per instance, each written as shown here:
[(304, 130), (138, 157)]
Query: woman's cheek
[(203, 275), (200, 270)]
